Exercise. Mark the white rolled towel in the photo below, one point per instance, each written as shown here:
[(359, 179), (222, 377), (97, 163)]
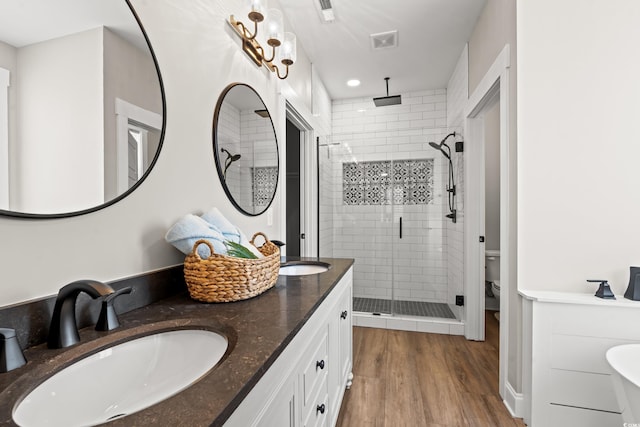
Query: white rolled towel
[(229, 230), (191, 228)]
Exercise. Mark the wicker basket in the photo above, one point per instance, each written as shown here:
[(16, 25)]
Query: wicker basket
[(221, 278)]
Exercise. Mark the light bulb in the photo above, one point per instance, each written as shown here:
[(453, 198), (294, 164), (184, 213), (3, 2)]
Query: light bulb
[(288, 49), (274, 28)]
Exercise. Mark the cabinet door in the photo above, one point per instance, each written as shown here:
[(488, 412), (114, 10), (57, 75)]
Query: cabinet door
[(281, 412), (340, 345), (346, 338)]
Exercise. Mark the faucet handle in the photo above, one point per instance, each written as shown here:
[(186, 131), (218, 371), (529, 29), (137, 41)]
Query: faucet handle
[(108, 319), (11, 356)]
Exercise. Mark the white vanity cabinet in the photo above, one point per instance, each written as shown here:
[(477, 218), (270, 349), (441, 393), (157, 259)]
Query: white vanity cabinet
[(305, 385), (341, 329), (566, 378)]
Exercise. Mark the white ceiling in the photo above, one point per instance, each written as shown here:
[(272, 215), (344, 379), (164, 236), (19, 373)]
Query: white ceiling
[(25, 22), (431, 36)]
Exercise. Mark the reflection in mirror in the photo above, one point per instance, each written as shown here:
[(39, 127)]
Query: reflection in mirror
[(81, 106), (246, 149)]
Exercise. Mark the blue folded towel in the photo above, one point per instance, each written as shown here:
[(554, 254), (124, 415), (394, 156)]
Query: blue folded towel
[(191, 228), (228, 230)]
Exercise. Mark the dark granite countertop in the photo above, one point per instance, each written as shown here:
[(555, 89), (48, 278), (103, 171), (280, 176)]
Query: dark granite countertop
[(258, 330)]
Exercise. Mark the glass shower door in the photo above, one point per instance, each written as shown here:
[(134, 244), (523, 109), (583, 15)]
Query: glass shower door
[(385, 214), (411, 199)]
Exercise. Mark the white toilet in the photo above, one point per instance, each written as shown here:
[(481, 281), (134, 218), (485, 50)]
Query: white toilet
[(492, 270)]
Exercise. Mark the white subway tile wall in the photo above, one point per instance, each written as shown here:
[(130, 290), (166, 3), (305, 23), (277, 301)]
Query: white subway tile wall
[(327, 196), (229, 139), (251, 136), (457, 95), (413, 268)]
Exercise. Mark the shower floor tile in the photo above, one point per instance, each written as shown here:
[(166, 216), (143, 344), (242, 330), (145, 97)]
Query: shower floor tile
[(407, 308)]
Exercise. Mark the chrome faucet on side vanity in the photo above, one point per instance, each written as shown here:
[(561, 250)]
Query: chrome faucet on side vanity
[(63, 331)]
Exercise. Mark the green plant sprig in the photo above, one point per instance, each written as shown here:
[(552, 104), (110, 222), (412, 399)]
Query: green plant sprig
[(237, 250)]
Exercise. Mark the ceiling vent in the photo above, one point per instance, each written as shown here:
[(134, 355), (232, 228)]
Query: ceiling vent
[(384, 40), (326, 10)]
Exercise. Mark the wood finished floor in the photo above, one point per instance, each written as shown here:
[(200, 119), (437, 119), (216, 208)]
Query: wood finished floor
[(415, 379)]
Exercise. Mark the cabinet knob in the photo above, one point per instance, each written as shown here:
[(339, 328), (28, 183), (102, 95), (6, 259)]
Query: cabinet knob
[(343, 315), (320, 364), (320, 408)]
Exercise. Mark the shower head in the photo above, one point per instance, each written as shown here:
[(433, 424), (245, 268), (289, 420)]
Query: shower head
[(384, 101), (443, 145), (439, 148), (230, 159)]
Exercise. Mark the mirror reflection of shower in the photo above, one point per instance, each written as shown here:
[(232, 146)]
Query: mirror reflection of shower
[(229, 160), (451, 187)]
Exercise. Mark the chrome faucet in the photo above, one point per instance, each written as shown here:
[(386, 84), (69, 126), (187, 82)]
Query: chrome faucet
[(63, 331)]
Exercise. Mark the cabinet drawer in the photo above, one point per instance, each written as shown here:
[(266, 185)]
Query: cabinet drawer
[(578, 353), (315, 369), (563, 416), (318, 413), (583, 390)]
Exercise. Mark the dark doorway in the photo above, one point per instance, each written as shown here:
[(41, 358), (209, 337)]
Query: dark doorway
[(293, 189)]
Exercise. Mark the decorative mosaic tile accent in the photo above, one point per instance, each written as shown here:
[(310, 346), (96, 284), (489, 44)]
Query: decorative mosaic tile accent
[(264, 182), (407, 182)]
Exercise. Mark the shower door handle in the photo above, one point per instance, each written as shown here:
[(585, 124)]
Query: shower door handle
[(401, 227)]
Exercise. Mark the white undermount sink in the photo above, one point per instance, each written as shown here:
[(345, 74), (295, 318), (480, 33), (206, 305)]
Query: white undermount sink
[(302, 268), (625, 362), (122, 379)]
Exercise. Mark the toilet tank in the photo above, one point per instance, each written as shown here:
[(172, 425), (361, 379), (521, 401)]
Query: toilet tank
[(492, 265)]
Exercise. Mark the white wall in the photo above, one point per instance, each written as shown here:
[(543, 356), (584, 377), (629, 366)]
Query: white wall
[(198, 56), (129, 74), (578, 175), (68, 72), (8, 61), (492, 177)]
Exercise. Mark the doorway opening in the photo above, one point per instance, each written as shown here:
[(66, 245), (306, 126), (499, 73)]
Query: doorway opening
[(294, 152), (299, 203), (137, 139)]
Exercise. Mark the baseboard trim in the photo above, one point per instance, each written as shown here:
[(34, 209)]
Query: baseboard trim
[(408, 323), (513, 401)]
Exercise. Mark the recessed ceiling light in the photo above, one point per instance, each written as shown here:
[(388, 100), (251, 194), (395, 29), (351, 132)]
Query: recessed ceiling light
[(353, 83)]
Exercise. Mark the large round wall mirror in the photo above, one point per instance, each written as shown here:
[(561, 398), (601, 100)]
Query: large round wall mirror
[(246, 149), (82, 106)]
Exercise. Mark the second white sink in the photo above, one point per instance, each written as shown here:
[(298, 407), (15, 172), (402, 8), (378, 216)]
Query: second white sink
[(122, 379), (303, 268)]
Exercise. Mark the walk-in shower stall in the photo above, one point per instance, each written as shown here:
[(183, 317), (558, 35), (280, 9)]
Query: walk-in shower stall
[(383, 202)]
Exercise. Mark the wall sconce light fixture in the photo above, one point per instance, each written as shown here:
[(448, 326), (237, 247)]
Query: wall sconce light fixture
[(283, 44)]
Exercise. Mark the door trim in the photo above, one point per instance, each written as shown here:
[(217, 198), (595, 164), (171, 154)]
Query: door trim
[(308, 186), (126, 112), (495, 83), (4, 139)]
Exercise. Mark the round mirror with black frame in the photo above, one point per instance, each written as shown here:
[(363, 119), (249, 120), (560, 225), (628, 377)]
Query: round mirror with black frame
[(82, 106), (245, 149)]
